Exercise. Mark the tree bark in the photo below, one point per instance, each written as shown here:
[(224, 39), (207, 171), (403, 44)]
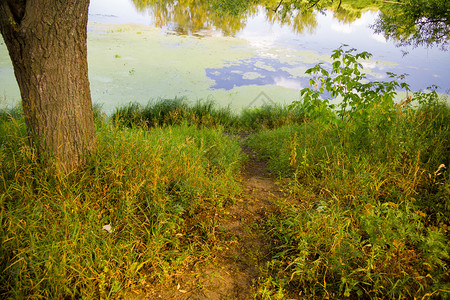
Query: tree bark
[(47, 43)]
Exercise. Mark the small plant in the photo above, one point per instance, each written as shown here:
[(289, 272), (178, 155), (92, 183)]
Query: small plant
[(347, 84), (427, 98), (368, 215), (12, 21)]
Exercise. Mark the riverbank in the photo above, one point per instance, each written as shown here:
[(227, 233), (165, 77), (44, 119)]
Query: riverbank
[(172, 203)]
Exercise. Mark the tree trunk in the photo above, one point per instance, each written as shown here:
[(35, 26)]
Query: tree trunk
[(46, 40)]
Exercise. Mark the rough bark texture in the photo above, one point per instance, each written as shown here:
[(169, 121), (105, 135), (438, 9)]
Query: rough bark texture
[(46, 40)]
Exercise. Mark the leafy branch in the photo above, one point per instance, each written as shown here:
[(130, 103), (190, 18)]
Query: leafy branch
[(347, 84)]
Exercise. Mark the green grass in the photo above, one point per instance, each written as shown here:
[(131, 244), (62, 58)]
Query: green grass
[(167, 112), (163, 112), (270, 117), (159, 191), (369, 210), (367, 214)]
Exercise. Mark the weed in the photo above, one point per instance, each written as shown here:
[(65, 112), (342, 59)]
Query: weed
[(270, 116), (154, 190), (370, 212), (175, 111)]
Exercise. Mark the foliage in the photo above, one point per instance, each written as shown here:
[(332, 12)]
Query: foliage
[(415, 22), (269, 116), (369, 221), (144, 208), (12, 113), (347, 84), (369, 210), (175, 111), (168, 112)]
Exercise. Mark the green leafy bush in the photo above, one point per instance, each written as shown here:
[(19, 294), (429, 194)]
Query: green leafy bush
[(349, 85), (369, 188)]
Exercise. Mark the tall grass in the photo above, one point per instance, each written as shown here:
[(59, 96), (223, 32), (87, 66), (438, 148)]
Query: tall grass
[(144, 208), (174, 112), (167, 112), (270, 116), (367, 216), (369, 213)]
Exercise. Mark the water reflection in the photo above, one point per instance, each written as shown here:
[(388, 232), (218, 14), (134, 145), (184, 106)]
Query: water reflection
[(270, 49), (278, 30), (303, 20), (255, 71), (186, 17)]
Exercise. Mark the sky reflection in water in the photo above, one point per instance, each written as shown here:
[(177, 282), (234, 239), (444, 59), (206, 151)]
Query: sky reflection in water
[(424, 66), (255, 71), (263, 58)]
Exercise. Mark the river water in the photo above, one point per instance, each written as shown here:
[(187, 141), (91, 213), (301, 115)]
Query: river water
[(131, 60)]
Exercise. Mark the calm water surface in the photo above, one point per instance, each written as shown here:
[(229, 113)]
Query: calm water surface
[(131, 60)]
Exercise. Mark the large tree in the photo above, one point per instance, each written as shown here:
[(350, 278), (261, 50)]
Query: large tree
[(46, 40)]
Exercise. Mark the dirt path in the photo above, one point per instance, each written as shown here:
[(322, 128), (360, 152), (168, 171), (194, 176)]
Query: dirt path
[(232, 272)]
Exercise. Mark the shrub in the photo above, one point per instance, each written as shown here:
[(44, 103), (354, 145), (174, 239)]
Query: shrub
[(369, 183)]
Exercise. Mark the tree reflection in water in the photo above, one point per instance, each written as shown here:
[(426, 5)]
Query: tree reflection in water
[(190, 17), (410, 22)]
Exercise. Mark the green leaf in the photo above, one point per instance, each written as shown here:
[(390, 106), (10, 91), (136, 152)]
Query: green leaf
[(336, 64)]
